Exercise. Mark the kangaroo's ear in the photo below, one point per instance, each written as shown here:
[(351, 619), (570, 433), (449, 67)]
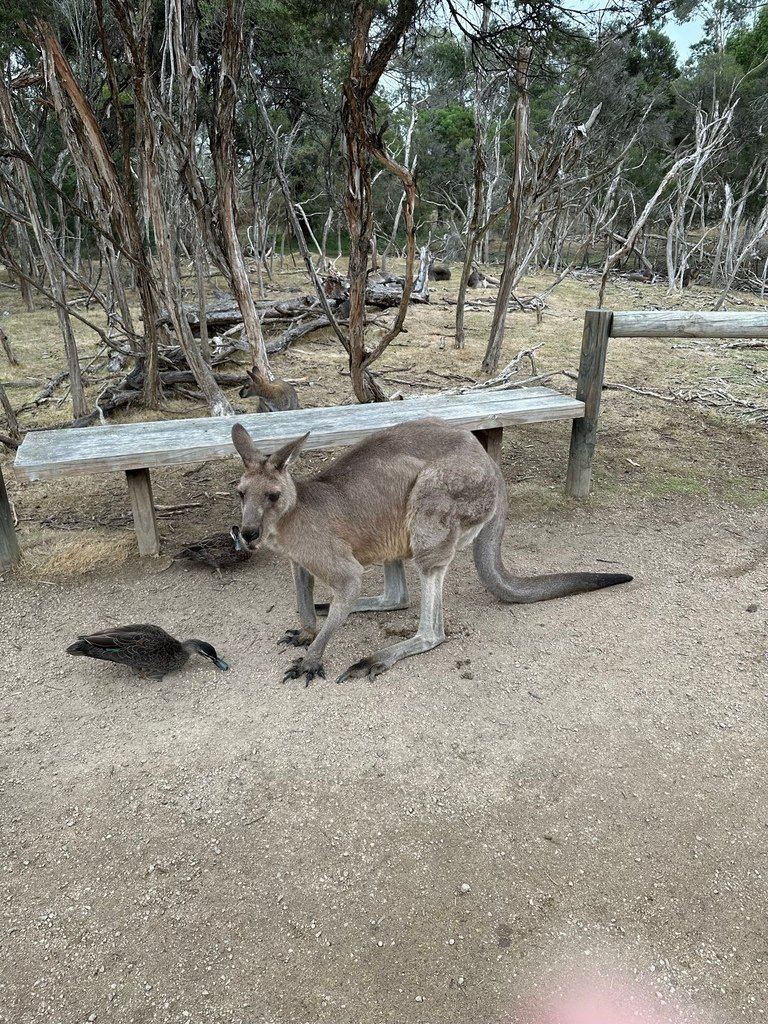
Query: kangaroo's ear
[(284, 456), (254, 374), (246, 449)]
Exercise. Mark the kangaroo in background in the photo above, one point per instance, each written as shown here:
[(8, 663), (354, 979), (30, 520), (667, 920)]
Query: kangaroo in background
[(419, 491), (274, 396)]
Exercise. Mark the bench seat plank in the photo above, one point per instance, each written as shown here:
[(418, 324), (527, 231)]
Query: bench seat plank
[(50, 453)]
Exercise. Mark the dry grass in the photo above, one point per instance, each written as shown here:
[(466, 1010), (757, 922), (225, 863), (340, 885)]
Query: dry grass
[(79, 556)]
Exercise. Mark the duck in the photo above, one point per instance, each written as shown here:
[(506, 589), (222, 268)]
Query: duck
[(220, 551), (145, 648)]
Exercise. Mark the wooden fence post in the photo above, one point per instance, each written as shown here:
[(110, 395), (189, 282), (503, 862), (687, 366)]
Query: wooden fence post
[(9, 545), (594, 347)]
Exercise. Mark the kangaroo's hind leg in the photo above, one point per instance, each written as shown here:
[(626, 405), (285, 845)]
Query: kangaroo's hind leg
[(395, 594), (430, 632)]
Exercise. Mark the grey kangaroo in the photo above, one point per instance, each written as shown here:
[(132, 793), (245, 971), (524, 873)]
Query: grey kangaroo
[(274, 396), (418, 491)]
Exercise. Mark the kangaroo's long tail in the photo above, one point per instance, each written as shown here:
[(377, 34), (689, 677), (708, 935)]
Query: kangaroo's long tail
[(527, 589)]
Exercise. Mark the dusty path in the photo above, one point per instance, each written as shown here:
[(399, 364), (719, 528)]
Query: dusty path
[(579, 784)]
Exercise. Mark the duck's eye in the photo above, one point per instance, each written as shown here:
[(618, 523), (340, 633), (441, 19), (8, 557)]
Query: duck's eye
[(273, 496)]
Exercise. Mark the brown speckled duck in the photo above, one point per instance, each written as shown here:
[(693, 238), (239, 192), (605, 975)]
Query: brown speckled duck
[(220, 551), (146, 649)]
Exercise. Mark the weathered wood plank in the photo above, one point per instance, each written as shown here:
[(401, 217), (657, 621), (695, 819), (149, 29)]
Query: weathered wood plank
[(9, 544), (491, 440), (594, 348), (679, 324), (143, 507), (51, 453)]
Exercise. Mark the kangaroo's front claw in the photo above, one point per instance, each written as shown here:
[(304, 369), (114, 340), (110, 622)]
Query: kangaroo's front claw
[(297, 669), (297, 637), (365, 667)]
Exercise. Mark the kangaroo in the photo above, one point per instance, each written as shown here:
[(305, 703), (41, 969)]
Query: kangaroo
[(418, 491), (274, 396)]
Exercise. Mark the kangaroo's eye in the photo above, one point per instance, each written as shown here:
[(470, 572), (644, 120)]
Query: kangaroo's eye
[(241, 495), (273, 495)]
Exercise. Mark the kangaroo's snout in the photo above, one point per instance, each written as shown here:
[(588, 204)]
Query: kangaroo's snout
[(251, 534)]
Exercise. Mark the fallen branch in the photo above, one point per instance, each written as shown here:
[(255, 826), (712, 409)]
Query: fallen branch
[(180, 507), (625, 387), (287, 338), (47, 392)]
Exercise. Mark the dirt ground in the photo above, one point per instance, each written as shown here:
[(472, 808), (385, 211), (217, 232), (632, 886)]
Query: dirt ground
[(566, 791)]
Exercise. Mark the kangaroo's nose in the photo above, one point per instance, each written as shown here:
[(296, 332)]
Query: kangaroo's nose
[(251, 534)]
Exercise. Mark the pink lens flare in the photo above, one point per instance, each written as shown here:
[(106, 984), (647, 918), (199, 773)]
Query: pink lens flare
[(599, 1007)]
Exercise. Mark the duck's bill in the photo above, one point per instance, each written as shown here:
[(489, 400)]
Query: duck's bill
[(220, 663), (240, 544)]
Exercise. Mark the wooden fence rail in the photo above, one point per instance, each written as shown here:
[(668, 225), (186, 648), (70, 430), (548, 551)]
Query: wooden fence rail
[(600, 325)]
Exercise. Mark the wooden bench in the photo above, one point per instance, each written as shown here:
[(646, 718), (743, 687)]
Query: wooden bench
[(137, 448)]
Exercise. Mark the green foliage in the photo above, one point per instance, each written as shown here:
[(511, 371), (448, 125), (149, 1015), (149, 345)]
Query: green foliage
[(15, 17), (444, 143), (652, 59), (750, 47)]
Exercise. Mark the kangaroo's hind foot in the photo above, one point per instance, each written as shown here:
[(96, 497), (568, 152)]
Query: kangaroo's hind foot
[(298, 637), (304, 667)]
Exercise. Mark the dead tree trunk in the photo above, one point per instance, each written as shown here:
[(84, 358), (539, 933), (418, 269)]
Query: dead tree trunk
[(711, 133), (90, 153), (45, 245), (361, 140), (493, 351), (135, 30), (293, 219), (411, 167), (222, 146), (480, 169)]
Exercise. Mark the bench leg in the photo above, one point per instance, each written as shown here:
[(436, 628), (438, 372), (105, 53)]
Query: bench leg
[(491, 440), (594, 347), (144, 520), (9, 544)]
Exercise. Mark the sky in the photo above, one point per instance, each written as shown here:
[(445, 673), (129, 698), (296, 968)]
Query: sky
[(684, 36)]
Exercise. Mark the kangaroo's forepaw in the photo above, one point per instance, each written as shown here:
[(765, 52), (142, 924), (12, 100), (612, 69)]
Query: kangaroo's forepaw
[(297, 669), (365, 667), (297, 637)]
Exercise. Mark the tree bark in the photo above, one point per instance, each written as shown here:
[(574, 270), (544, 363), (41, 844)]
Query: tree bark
[(222, 146), (137, 39), (493, 351), (361, 140), (480, 168), (91, 156), (46, 247)]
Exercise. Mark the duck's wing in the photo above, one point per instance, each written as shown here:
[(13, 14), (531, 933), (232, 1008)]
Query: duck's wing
[(121, 638), (207, 545)]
